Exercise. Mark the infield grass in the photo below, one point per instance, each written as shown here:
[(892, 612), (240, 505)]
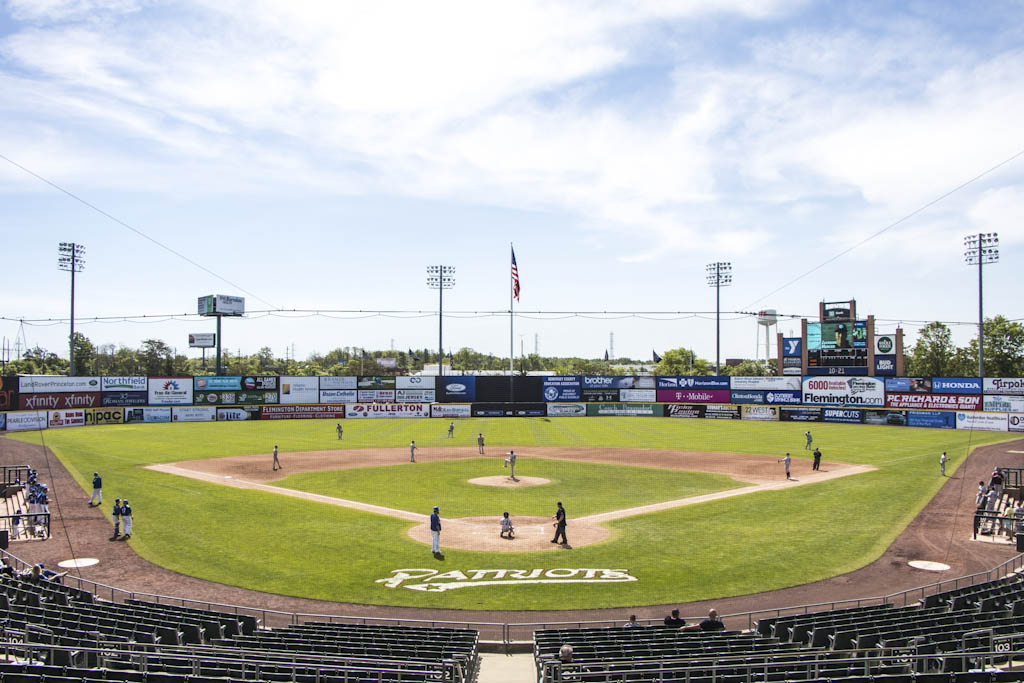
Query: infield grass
[(740, 545)]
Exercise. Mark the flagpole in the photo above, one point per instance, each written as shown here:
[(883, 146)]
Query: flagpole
[(511, 324)]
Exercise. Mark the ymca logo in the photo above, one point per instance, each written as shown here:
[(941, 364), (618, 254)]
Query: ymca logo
[(792, 347)]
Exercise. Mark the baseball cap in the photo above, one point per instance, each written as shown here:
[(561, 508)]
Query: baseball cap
[(436, 508)]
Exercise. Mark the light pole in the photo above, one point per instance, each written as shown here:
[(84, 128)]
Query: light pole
[(71, 258), (440, 278), (978, 250), (719, 275)]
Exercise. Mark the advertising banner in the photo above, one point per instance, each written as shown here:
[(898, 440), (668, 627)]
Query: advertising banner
[(747, 397), (238, 414), (170, 391), (685, 411), (843, 335), (792, 366), (782, 397), (956, 385), (56, 383), (885, 345), (931, 418), (694, 383), (62, 401), (388, 362), (601, 395), (124, 398), (104, 416), (23, 422), (340, 383), (509, 410), (414, 395), (792, 347), (842, 415), (297, 412), (796, 414), (693, 396), (451, 410), (225, 383), (375, 382), (376, 396), (567, 410), (625, 410), (8, 393), (412, 383), (338, 395), (65, 418), (3, 422), (895, 418), (1016, 422), (759, 413), (1004, 404), (638, 395), (150, 415), (855, 391), (134, 383), (202, 340), (764, 384), (1004, 385), (194, 414), (722, 412), (300, 389), (457, 389), (983, 422), (915, 385), (227, 398), (885, 366), (933, 401), (562, 388)]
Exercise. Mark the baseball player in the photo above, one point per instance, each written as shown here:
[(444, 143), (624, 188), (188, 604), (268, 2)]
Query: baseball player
[(116, 514), (817, 459), (787, 460), (126, 517), (942, 463), (510, 462), (451, 429), (277, 463), (16, 525), (560, 525), (507, 530), (480, 443), (339, 431), (97, 490), (412, 451), (435, 531), (807, 446)]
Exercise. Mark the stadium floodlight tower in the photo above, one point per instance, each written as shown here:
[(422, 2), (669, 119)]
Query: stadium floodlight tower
[(978, 250), (440, 278), (719, 275), (71, 258)]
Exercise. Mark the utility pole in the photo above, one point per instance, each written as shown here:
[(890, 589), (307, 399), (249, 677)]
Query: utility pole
[(719, 275), (440, 278), (978, 250), (70, 258)]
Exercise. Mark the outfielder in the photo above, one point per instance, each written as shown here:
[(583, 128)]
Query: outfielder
[(787, 460), (451, 429), (480, 443), (277, 463), (807, 446), (339, 431), (97, 489), (412, 451), (942, 464)]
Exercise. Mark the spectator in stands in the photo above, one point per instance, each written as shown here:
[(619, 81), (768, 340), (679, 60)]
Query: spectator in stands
[(36, 574), (631, 623), (16, 525), (995, 482), (5, 569), (507, 530), (565, 653), (993, 498), (675, 620), (712, 623)]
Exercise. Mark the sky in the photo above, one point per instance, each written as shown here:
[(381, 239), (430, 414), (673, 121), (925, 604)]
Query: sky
[(318, 156)]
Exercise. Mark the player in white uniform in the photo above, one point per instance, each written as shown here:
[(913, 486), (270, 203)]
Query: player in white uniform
[(507, 530)]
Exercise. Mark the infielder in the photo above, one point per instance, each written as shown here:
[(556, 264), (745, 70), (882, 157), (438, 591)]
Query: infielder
[(339, 431), (510, 462), (126, 517), (277, 463), (942, 464), (412, 451), (480, 443), (807, 446), (116, 514), (787, 460), (435, 531), (97, 489)]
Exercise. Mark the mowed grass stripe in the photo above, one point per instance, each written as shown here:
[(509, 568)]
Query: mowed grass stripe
[(734, 546)]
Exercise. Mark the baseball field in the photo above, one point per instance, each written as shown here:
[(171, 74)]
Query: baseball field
[(720, 517)]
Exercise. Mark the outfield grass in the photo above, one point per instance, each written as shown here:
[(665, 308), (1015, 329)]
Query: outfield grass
[(607, 487), (740, 545)]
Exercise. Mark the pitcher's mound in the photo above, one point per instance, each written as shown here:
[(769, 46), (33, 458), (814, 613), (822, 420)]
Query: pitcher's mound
[(508, 481)]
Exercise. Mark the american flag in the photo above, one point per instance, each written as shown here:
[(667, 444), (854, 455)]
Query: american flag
[(515, 277)]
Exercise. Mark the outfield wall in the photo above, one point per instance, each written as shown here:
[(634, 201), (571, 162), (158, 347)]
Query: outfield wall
[(52, 401)]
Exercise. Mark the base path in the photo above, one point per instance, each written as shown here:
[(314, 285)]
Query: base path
[(532, 533)]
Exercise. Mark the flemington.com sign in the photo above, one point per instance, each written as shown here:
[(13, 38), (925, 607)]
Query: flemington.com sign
[(432, 581)]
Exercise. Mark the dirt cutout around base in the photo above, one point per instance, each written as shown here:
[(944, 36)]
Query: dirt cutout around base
[(532, 533)]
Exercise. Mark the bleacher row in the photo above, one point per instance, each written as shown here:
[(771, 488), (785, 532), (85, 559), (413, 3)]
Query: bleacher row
[(931, 642), (52, 632)]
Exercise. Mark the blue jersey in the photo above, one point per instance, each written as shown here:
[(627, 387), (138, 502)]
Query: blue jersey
[(126, 511), (116, 512), (435, 522), (97, 482)]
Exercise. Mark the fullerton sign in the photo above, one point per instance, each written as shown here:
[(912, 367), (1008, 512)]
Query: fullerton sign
[(431, 581)]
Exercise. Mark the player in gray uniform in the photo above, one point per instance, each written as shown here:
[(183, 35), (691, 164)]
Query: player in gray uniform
[(277, 463), (787, 461), (480, 443), (116, 514), (510, 462), (126, 517), (412, 451), (451, 429), (339, 431), (807, 446)]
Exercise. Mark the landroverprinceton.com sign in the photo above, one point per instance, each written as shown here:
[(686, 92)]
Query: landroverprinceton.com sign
[(433, 581)]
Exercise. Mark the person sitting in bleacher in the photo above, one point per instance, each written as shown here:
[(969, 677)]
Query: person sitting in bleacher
[(6, 569), (712, 623), (631, 623), (675, 620), (565, 653)]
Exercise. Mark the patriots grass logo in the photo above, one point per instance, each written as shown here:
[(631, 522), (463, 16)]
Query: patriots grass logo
[(431, 581)]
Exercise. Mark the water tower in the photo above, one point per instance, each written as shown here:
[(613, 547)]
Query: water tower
[(766, 319)]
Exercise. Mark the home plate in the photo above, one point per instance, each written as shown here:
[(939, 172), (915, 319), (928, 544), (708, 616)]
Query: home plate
[(80, 562), (928, 566)]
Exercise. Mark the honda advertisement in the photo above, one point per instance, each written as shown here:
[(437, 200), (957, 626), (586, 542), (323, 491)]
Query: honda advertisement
[(760, 413), (300, 389), (62, 401), (693, 396), (56, 383), (956, 385), (561, 388), (684, 411), (983, 422), (998, 385), (933, 401), (170, 391), (567, 410), (790, 414), (931, 418), (302, 412), (457, 389), (451, 410), (386, 410), (134, 383), (694, 383), (855, 391), (747, 397), (842, 415), (338, 395), (765, 384)]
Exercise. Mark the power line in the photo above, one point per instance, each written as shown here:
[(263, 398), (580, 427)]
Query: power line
[(130, 227)]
